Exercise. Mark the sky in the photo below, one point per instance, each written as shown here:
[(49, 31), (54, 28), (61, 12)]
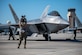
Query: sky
[(34, 8)]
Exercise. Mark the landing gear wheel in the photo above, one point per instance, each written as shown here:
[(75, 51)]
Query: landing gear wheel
[(47, 37)]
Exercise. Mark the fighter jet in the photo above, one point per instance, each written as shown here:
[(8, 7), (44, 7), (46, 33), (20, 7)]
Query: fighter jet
[(45, 25)]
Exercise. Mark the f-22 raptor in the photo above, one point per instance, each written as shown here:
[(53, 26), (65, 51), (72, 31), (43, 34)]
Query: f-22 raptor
[(45, 25)]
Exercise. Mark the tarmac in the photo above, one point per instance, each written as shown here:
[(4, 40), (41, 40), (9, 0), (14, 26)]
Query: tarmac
[(38, 46)]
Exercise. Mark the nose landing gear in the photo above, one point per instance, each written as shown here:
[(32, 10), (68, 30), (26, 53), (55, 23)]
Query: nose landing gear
[(47, 37)]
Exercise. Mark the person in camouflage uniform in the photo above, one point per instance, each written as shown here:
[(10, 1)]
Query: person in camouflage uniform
[(22, 32)]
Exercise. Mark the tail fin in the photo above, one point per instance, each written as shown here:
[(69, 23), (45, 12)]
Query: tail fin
[(14, 14), (44, 14), (79, 24)]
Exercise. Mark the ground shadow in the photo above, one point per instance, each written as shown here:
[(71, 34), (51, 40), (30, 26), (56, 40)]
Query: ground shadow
[(59, 40), (68, 40)]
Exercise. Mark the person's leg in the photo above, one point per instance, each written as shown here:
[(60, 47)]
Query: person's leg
[(9, 37), (20, 40), (13, 37), (25, 41), (74, 36)]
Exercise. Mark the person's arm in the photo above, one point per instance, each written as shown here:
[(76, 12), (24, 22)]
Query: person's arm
[(19, 24)]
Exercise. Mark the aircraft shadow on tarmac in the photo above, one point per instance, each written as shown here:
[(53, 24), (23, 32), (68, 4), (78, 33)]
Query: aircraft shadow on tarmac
[(59, 40)]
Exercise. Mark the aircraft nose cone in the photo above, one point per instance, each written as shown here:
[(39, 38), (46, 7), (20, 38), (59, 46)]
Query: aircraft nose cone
[(60, 20), (65, 22)]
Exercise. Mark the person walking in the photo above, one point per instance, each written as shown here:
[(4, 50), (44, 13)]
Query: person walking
[(22, 32), (74, 34), (11, 33)]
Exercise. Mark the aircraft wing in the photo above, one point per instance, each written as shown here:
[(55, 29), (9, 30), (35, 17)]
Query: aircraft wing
[(79, 28), (4, 26), (31, 25), (72, 29), (15, 25), (76, 28), (32, 22), (36, 21)]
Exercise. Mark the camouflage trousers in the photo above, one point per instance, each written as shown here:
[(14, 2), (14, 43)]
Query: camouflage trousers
[(21, 37)]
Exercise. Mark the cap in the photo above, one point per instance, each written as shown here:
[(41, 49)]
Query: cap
[(71, 9)]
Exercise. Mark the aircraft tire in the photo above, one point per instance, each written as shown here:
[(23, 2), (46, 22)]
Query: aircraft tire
[(47, 38)]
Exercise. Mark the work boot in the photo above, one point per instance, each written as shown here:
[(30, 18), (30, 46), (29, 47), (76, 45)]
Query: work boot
[(74, 38), (8, 39), (18, 47), (13, 39), (24, 47)]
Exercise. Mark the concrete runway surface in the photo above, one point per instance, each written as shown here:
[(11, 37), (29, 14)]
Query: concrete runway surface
[(37, 46)]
